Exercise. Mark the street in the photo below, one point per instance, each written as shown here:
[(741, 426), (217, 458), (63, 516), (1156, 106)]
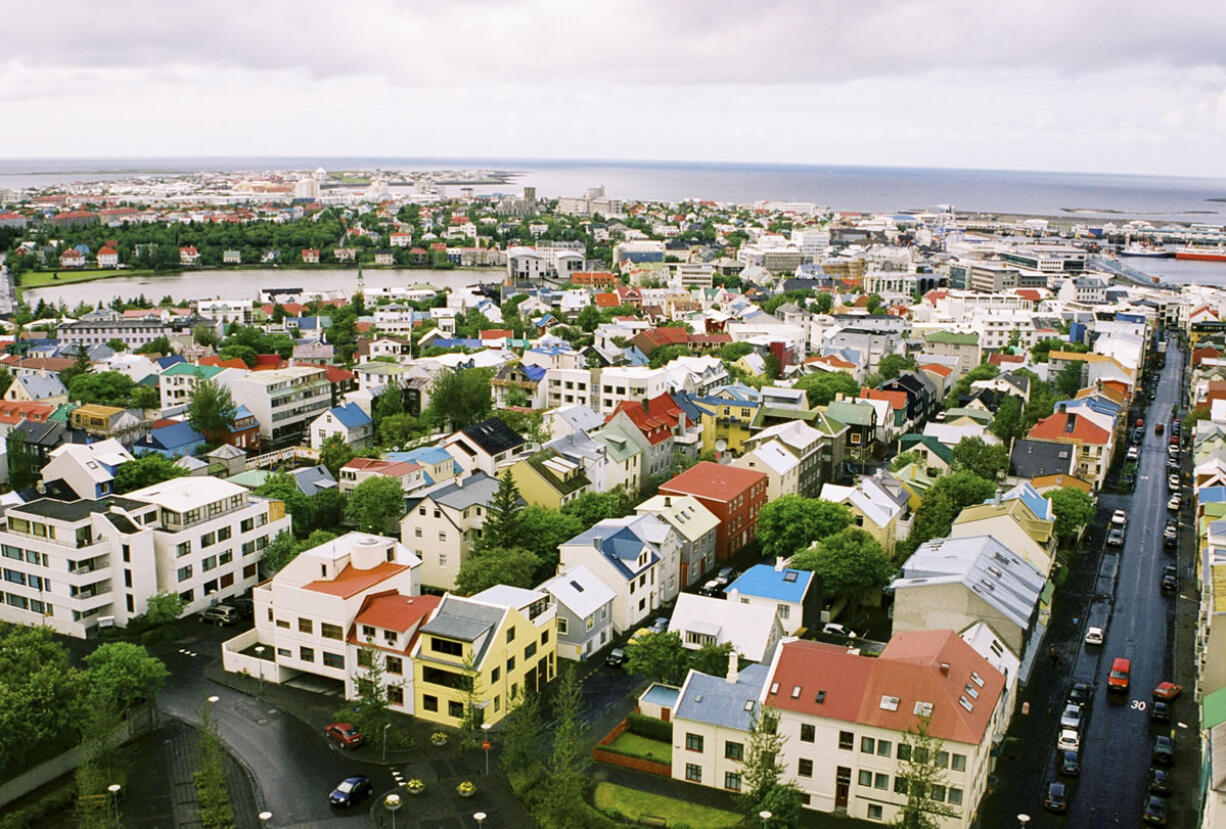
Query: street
[(1115, 745)]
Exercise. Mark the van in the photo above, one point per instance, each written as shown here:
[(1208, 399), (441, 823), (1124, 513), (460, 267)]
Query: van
[(1117, 680)]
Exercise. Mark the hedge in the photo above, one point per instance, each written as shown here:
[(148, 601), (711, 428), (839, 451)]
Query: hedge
[(649, 727)]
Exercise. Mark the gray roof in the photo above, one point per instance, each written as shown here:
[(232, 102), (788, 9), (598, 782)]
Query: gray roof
[(311, 479), (40, 388), (715, 700), (478, 488), (76, 510), (1032, 458), (465, 621)]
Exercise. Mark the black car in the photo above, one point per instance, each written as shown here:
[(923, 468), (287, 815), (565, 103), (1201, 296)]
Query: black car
[(1056, 799), (1159, 781), (350, 790), (1070, 764), (1080, 694), (616, 658), (1160, 711), (1163, 752), (1154, 812), (1170, 579)]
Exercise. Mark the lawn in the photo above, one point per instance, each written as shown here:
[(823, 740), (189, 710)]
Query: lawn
[(642, 747), (635, 804), (41, 279)]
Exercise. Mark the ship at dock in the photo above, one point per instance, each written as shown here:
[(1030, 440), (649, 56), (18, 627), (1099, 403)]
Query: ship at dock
[(1202, 253), (1142, 250)]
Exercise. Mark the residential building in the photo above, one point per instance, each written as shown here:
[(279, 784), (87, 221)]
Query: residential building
[(625, 561), (441, 525), (548, 479), (753, 630), (487, 446), (584, 611), (792, 594), (410, 475), (879, 505), (1091, 443), (696, 528), (350, 421), (284, 401), (805, 444), (33, 388), (88, 469), (782, 468), (733, 495)]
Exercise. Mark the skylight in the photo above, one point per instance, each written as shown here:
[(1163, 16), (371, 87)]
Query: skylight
[(977, 679), (795, 692), (922, 709), (889, 703), (578, 587), (774, 687), (972, 691), (748, 705), (966, 703), (790, 575)]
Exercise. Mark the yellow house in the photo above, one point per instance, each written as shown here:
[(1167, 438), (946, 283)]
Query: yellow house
[(727, 415), (549, 480), (483, 652)]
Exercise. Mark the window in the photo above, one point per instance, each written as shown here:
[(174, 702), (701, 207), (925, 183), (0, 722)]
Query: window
[(943, 759), (442, 559), (783, 610), (429, 702), (874, 811), (938, 793), (185, 573), (530, 651), (732, 781), (328, 631), (455, 709), (808, 733), (561, 626), (495, 673), (693, 742), (867, 745), (881, 781), (333, 660), (446, 646), (226, 557), (544, 637), (510, 664), (884, 748), (394, 665), (208, 563), (223, 534), (306, 654), (511, 633), (847, 740), (208, 539), (417, 532), (734, 751), (955, 796), (904, 751), (900, 785), (959, 762), (866, 778), (183, 549), (306, 626), (395, 695), (805, 768), (693, 772)]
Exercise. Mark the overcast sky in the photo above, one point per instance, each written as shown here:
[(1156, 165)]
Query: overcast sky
[(1080, 85)]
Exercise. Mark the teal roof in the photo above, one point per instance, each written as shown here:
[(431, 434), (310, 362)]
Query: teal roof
[(205, 372), (852, 414), (930, 443)]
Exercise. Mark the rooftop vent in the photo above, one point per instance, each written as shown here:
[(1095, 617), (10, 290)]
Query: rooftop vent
[(977, 679), (945, 669), (971, 691)]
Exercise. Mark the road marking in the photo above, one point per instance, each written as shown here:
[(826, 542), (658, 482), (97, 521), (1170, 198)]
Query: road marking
[(186, 652)]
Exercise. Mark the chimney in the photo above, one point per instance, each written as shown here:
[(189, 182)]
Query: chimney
[(996, 498), (945, 669), (780, 563), (734, 667), (597, 540), (459, 481), (668, 500)]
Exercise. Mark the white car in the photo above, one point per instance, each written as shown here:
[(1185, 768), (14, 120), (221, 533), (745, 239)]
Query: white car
[(1069, 740), (1175, 503), (835, 629), (1172, 482), (1119, 518), (1095, 636), (1134, 453)]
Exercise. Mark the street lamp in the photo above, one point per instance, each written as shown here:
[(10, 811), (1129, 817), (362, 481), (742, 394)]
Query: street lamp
[(265, 816), (114, 798), (765, 815), (213, 699), (479, 817), (392, 804), (485, 745), (1022, 820), (259, 653), (386, 726)]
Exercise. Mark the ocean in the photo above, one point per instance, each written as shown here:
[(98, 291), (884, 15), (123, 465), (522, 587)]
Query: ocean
[(1081, 197)]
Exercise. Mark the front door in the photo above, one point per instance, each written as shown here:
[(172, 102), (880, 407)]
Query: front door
[(842, 786)]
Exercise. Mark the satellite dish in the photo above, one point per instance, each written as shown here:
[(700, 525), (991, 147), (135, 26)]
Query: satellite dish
[(721, 445)]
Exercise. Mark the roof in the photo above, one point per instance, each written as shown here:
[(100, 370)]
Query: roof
[(892, 690), (1069, 427), (620, 541), (351, 416), (351, 581), (506, 595), (1035, 458), (952, 338), (466, 621), (393, 611), (580, 591), (459, 494), (203, 371), (713, 481), (38, 387), (378, 466), (715, 700), (751, 628), (763, 580), (493, 436), (655, 418)]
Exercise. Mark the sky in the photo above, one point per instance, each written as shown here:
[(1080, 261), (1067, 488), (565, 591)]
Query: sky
[(1076, 85)]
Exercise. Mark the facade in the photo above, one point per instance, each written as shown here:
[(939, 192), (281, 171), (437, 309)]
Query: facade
[(792, 594), (696, 528), (410, 475), (87, 469), (284, 401), (349, 421), (733, 495), (585, 612), (442, 524), (625, 562)]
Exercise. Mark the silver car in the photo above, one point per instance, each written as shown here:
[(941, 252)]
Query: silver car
[(1071, 718)]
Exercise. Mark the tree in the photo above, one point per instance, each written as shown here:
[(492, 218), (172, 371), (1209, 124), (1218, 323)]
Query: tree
[(144, 397), (300, 506), (735, 351), (665, 354), (567, 770), (216, 811), (593, 507), (988, 461), (22, 463), (851, 563), (1007, 424), (822, 387), (521, 729), (278, 553), (905, 459), (390, 403), (146, 470), (6, 380), (875, 304), (892, 365), (658, 656), (399, 430), (106, 388), (211, 409), (369, 710), (983, 371), (1068, 379), (772, 367), (588, 318), (460, 398), (502, 518), (1041, 404), (761, 772), (513, 566), (822, 303), (335, 453), (543, 530), (1074, 510), (712, 659), (120, 674), (80, 366), (1040, 352), (39, 697), (945, 499), (376, 505), (163, 608), (206, 336), (161, 345), (918, 773), (790, 523)]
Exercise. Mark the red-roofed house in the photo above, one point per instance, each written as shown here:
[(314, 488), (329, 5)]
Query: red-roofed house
[(13, 412), (846, 719), (306, 616), (595, 279), (72, 258), (310, 256), (941, 375), (108, 257), (733, 494), (1001, 359), (1094, 444), (400, 239), (896, 399), (664, 427), (411, 475), (606, 299), (188, 255)]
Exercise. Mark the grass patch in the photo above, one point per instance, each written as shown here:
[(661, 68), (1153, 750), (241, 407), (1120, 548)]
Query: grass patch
[(635, 804), (644, 748), (43, 279)]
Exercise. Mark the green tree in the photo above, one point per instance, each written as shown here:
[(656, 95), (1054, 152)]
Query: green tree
[(211, 409), (39, 696), (593, 507), (665, 354), (460, 398), (1068, 379), (566, 780), (21, 461), (369, 711), (983, 371), (521, 730), (712, 659), (892, 365), (390, 403), (543, 530), (376, 505), (772, 367), (513, 566), (1041, 404), (904, 459), (1074, 511), (146, 470), (588, 318), (761, 789), (106, 388), (399, 430), (851, 563), (335, 453), (1040, 352), (300, 506), (791, 523), (503, 515), (206, 336), (944, 500), (159, 346), (658, 656), (1007, 423), (735, 351), (822, 387), (917, 775), (822, 303), (278, 553), (6, 380), (80, 366), (216, 811), (144, 397), (120, 674), (875, 304), (164, 608), (988, 461)]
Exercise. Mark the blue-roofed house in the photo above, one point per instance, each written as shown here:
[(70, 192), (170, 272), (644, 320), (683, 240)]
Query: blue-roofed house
[(166, 362), (350, 421), (714, 716), (436, 463), (169, 441), (619, 553), (795, 595)]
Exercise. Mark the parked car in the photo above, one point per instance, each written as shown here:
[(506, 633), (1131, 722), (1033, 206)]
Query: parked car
[(1134, 453), (1170, 579), (1119, 518), (1167, 691), (1118, 678), (1158, 428), (1175, 503), (1154, 812), (1163, 752), (350, 790), (244, 605), (1115, 538), (221, 615), (1137, 435), (712, 588), (1082, 693), (1056, 799), (344, 734), (835, 629), (616, 658), (1159, 781), (1071, 717), (1070, 763), (1170, 534), (1160, 711), (659, 624), (1095, 636), (1069, 740), (1172, 482), (726, 575)]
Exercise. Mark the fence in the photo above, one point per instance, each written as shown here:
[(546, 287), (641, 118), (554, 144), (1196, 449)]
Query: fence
[(613, 758)]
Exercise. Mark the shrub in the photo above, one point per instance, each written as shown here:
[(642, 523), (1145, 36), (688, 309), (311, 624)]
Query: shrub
[(649, 727)]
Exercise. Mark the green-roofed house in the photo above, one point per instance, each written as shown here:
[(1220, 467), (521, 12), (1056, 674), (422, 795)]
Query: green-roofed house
[(960, 414), (860, 418), (916, 481), (627, 459), (962, 346), (177, 382), (937, 457)]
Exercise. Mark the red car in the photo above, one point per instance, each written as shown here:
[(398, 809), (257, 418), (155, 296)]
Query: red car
[(344, 735), (1168, 691)]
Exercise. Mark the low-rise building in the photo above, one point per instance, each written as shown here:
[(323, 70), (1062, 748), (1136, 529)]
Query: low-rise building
[(696, 528), (585, 612), (441, 525), (733, 495), (284, 401), (350, 421), (792, 594), (753, 630)]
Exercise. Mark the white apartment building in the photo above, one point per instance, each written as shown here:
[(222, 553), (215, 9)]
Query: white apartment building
[(442, 524), (284, 401), (177, 383), (76, 565), (225, 311)]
